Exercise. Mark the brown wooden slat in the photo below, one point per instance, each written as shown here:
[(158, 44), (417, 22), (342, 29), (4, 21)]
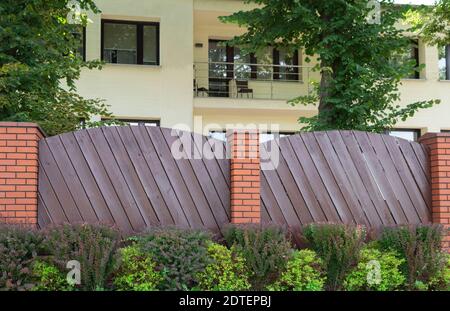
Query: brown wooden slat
[(76, 158), (327, 178), (281, 197), (97, 169), (130, 176), (161, 179), (56, 180), (393, 177), (49, 200), (176, 180), (364, 190), (145, 176), (71, 181), (405, 175), (341, 178), (269, 201)]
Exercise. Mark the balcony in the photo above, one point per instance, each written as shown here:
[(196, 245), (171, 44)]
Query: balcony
[(250, 81)]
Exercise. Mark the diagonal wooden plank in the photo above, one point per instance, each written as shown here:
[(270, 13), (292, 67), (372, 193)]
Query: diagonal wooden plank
[(276, 185), (273, 209), (342, 176), (360, 178), (145, 176), (422, 180), (327, 178), (172, 171), (190, 169), (159, 174), (55, 178), (71, 180), (401, 166), (130, 176), (103, 181), (394, 177), (380, 178), (95, 196), (292, 191), (314, 179)]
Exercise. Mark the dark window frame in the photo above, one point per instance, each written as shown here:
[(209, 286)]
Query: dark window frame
[(139, 38), (446, 48), (140, 122)]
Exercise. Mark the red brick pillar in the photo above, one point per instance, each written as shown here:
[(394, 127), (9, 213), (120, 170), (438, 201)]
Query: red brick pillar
[(439, 151), (243, 148), (19, 172)]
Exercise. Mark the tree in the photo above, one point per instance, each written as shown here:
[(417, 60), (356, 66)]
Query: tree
[(359, 81), (432, 22), (39, 64)]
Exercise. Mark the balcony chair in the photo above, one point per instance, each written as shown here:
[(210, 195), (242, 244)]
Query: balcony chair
[(242, 88), (200, 90)]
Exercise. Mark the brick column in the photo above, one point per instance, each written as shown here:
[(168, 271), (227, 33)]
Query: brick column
[(19, 172), (243, 150), (439, 152)]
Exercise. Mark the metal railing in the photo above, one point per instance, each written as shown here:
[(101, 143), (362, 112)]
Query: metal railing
[(246, 80)]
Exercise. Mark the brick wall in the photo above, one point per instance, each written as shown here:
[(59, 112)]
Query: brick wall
[(245, 176), (439, 151), (19, 172)]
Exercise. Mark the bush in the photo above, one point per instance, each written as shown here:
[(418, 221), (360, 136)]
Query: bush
[(376, 270), (49, 278), (136, 271), (265, 248), (225, 272), (338, 246), (304, 272), (441, 281), (420, 246), (180, 255), (19, 246), (93, 246)]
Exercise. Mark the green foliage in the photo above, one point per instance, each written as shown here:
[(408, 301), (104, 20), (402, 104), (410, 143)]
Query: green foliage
[(136, 271), (225, 272), (93, 246), (179, 254), (338, 246), (39, 65), (265, 249), (376, 270), (432, 22), (420, 246), (19, 246), (49, 278), (441, 281), (359, 84), (304, 272)]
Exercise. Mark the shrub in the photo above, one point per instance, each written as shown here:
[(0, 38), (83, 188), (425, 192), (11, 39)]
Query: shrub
[(304, 272), (338, 246), (93, 246), (266, 250), (19, 246), (376, 270), (225, 272), (441, 281), (420, 246), (179, 254), (136, 271), (49, 278)]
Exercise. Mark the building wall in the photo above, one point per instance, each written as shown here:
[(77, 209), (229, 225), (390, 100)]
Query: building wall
[(146, 92), (165, 92)]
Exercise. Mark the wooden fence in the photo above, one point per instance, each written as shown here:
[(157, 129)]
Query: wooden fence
[(128, 176), (347, 176)]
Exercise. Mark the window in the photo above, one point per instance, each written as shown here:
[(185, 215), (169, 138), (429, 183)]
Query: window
[(444, 62), (264, 137), (136, 122), (285, 65), (79, 34), (408, 134), (130, 42), (410, 54)]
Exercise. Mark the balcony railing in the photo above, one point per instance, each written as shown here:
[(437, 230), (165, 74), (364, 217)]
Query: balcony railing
[(245, 80)]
